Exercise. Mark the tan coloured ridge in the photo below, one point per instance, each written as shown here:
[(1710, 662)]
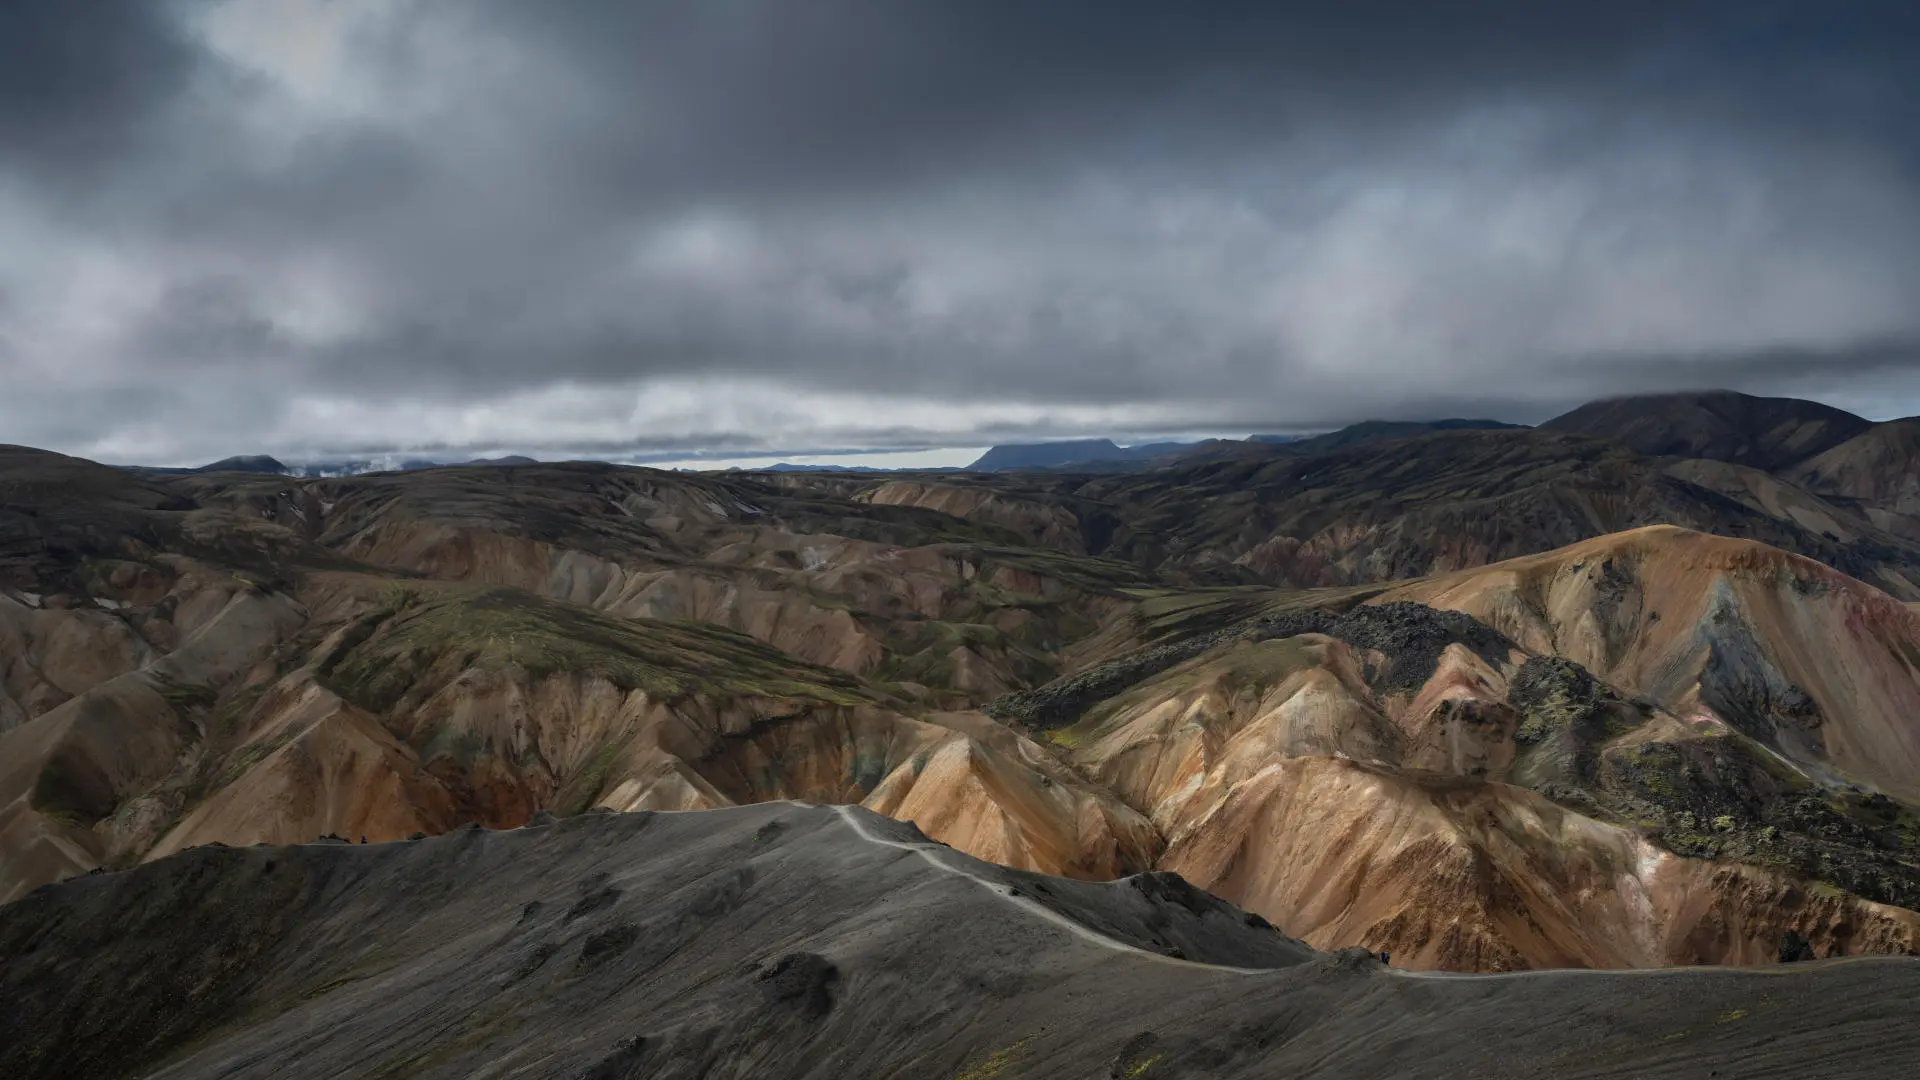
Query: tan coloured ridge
[(1645, 610), (74, 782), (1445, 873), (478, 737), (1041, 522), (1287, 785)]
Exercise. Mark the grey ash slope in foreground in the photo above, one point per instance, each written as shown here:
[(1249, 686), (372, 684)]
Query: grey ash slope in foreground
[(791, 941)]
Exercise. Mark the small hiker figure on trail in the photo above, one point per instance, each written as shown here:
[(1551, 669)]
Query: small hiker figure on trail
[(1383, 959), (363, 838)]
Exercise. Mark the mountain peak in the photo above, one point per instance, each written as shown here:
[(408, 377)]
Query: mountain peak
[(253, 463), (1721, 425)]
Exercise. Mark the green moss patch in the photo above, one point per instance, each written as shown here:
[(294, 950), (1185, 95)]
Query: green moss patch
[(1725, 797), (997, 1062), (422, 636)]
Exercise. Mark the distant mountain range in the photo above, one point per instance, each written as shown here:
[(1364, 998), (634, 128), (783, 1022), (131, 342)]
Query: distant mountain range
[(789, 467), (355, 468), (1765, 433), (261, 463), (1102, 455), (1718, 425), (250, 463), (1376, 430)]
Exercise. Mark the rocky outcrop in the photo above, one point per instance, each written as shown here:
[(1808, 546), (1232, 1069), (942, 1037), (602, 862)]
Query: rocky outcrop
[(1820, 668)]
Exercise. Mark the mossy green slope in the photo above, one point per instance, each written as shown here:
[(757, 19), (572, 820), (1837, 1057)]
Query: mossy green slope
[(423, 634)]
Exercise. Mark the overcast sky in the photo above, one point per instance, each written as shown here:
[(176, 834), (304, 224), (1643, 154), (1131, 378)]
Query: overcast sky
[(316, 227)]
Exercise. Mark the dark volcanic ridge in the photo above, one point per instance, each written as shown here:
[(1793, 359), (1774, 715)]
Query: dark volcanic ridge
[(799, 941), (1766, 433)]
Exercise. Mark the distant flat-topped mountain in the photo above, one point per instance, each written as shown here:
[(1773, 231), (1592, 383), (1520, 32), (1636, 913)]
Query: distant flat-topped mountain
[(262, 463), (1765, 433), (1053, 455)]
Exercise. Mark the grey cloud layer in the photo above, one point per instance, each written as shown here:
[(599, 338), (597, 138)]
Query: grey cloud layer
[(306, 225)]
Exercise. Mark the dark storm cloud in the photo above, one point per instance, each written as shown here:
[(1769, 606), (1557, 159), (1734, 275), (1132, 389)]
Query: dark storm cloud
[(318, 224), (1878, 378), (77, 80), (852, 92)]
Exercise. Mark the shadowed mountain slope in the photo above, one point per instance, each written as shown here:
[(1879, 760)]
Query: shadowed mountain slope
[(1766, 433), (1448, 501), (814, 943), (1378, 510), (1877, 470), (1383, 430)]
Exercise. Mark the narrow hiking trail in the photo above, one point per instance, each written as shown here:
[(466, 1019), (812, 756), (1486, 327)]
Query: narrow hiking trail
[(932, 853)]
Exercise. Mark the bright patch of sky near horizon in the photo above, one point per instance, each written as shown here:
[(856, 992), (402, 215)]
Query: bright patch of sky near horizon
[(336, 228), (939, 458)]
